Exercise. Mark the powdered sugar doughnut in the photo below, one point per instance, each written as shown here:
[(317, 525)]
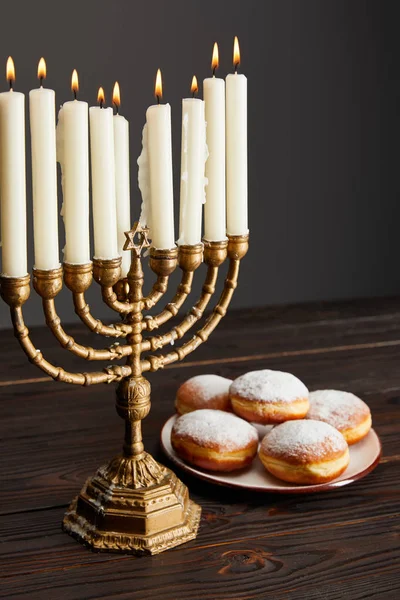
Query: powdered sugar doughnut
[(304, 452), (214, 440), (203, 391), (343, 410), (269, 397)]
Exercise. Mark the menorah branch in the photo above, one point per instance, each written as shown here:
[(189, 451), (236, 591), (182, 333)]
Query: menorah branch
[(78, 279), (218, 313), (82, 309), (189, 259), (15, 292), (237, 249), (107, 273), (158, 291), (214, 256), (114, 352), (163, 263), (48, 284), (151, 322)]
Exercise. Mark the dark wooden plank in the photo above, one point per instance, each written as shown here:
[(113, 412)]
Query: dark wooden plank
[(250, 545), (330, 560), (55, 438), (227, 516), (60, 462)]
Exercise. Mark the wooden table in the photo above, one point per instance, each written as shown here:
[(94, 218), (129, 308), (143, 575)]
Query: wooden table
[(342, 544)]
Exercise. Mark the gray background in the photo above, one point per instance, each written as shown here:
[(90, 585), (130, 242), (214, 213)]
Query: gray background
[(323, 126)]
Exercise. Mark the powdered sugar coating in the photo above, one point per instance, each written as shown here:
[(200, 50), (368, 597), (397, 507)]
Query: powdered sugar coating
[(215, 429), (207, 387), (268, 386), (342, 410), (304, 441)]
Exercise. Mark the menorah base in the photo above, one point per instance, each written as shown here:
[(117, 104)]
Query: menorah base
[(116, 517)]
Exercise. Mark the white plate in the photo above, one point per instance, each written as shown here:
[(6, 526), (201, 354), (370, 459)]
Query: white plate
[(364, 457)]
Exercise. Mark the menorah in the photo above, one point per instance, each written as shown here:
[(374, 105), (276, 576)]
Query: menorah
[(132, 504)]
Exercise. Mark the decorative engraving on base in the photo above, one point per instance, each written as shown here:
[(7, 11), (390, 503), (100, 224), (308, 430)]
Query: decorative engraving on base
[(133, 471)]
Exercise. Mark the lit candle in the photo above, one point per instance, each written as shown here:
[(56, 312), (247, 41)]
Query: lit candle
[(103, 180), (122, 183), (157, 137), (193, 158), (236, 148), (73, 156), (12, 179), (44, 173), (215, 207)]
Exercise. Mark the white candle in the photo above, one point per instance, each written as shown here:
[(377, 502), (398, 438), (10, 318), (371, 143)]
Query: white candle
[(159, 149), (103, 180), (122, 183), (44, 174), (73, 156), (12, 180), (144, 181), (215, 206), (193, 158), (236, 151)]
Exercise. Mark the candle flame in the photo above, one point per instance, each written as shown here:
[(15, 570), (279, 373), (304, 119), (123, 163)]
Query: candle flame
[(194, 87), (41, 72), (75, 81), (215, 57), (101, 96), (116, 97), (236, 52), (10, 70), (158, 86)]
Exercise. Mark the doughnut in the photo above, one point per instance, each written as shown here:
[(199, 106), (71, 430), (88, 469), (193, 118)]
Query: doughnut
[(214, 440), (306, 452), (203, 391), (343, 410), (269, 397)]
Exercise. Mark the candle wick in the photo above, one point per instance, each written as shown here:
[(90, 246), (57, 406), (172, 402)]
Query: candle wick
[(236, 67), (11, 84), (158, 99), (74, 94), (116, 109), (101, 103), (41, 81), (213, 71)]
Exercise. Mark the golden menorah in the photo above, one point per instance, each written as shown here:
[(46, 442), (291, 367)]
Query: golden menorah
[(132, 504)]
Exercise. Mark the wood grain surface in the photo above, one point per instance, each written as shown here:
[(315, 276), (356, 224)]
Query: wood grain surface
[(335, 545)]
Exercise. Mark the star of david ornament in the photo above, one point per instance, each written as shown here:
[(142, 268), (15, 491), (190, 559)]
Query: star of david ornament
[(141, 234)]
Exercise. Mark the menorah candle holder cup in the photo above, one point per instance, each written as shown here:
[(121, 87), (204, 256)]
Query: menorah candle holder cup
[(133, 504)]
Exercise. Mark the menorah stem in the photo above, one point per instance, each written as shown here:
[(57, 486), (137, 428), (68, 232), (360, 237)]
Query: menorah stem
[(15, 291), (133, 444), (134, 339), (133, 393)]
